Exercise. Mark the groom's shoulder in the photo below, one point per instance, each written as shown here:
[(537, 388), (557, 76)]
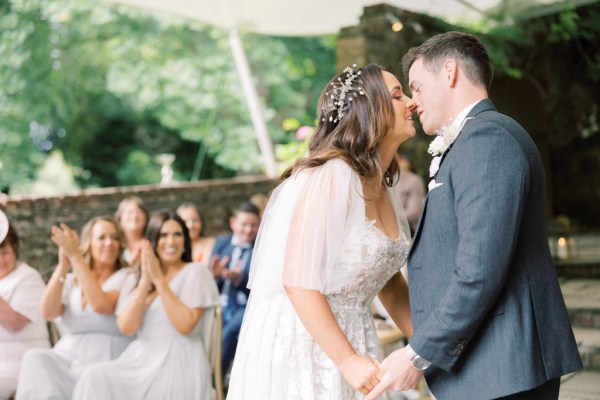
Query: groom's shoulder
[(491, 121)]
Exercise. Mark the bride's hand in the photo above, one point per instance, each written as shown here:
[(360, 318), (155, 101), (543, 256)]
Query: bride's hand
[(360, 372)]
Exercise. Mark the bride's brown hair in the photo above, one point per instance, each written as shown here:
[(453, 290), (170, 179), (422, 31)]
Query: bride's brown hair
[(356, 137)]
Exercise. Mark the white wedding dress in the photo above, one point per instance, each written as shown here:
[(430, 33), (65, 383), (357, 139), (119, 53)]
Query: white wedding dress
[(314, 235)]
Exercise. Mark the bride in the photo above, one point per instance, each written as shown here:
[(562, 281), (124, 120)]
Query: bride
[(333, 237)]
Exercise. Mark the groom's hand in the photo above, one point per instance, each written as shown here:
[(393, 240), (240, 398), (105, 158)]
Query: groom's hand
[(399, 374)]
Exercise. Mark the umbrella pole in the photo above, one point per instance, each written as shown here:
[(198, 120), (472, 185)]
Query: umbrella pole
[(258, 121)]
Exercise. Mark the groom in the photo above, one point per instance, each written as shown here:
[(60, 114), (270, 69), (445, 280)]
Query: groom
[(489, 318)]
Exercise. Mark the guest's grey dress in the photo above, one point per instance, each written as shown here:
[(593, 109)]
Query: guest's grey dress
[(87, 338)]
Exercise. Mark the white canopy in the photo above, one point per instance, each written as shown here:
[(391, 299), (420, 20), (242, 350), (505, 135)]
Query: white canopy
[(314, 17)]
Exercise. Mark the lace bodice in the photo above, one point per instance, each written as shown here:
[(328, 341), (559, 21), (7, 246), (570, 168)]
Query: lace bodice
[(299, 368), (314, 236), (367, 261)]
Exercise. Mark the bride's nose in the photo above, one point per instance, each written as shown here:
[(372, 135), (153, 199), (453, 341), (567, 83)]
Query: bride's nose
[(410, 104)]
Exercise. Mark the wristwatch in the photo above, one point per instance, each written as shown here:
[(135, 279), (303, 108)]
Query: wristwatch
[(417, 361)]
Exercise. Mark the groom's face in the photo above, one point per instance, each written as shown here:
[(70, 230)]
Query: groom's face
[(428, 91)]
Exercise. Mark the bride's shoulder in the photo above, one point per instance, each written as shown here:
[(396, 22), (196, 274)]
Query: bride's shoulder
[(336, 168)]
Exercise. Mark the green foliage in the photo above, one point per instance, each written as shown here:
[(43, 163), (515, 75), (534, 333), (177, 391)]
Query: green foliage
[(514, 44), (112, 87)]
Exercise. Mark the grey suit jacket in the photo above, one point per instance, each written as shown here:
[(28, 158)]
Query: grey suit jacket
[(487, 308)]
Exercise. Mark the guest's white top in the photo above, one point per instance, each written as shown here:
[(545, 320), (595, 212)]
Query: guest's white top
[(22, 289)]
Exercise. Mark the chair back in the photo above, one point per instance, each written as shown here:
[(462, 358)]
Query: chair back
[(214, 349), (54, 333)]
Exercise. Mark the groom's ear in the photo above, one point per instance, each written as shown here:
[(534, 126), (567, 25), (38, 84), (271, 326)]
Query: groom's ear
[(450, 71)]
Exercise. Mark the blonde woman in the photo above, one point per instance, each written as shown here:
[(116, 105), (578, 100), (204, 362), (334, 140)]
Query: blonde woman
[(81, 297)]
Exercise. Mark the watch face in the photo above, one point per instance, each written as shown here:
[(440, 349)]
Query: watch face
[(421, 363)]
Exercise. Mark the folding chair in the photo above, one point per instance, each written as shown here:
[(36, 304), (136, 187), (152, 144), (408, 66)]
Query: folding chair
[(215, 350)]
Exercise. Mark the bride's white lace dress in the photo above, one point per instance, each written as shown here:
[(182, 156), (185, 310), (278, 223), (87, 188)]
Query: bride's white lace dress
[(314, 235)]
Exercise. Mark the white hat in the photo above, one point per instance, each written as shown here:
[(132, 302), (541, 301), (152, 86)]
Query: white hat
[(3, 226)]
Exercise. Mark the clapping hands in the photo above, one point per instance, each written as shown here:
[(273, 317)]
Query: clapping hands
[(67, 240), (152, 272), (218, 266)]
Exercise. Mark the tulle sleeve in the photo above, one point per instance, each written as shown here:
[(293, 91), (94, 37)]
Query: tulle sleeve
[(199, 288), (303, 230)]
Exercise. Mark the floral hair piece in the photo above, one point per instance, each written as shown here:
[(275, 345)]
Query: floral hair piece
[(342, 93)]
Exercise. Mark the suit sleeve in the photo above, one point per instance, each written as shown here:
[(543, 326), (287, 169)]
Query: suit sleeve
[(489, 176)]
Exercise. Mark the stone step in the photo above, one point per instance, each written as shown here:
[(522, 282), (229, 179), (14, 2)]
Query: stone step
[(588, 341), (583, 385), (582, 255), (582, 297), (578, 268)]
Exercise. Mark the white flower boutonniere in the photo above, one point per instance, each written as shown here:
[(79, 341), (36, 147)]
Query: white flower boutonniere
[(446, 135)]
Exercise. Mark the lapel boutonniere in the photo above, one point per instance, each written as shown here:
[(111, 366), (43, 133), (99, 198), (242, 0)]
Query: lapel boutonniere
[(445, 137)]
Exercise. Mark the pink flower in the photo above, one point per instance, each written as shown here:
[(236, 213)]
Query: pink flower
[(304, 132)]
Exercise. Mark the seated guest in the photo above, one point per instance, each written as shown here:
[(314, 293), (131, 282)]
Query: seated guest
[(21, 325), (169, 309), (260, 200), (132, 217), (83, 291), (230, 264), (201, 244), (411, 191)]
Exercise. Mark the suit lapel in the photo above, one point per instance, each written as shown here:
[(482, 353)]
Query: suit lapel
[(483, 105)]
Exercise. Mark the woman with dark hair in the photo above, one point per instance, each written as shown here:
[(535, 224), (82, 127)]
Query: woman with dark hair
[(21, 325), (169, 310), (81, 298), (132, 217), (202, 245), (333, 236)]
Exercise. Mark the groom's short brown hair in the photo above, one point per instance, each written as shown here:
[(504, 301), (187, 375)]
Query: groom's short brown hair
[(466, 49)]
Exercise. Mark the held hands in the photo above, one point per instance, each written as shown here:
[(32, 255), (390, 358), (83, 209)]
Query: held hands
[(398, 374), (360, 372)]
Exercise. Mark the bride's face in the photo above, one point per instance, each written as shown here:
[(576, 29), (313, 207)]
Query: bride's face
[(404, 126)]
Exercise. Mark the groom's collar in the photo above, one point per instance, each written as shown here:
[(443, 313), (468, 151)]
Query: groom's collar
[(467, 113), (459, 119), (480, 106)]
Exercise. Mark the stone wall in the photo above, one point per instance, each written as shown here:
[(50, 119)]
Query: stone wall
[(373, 41), (556, 100), (33, 216)]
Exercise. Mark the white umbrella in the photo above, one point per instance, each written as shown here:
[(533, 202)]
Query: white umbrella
[(305, 18)]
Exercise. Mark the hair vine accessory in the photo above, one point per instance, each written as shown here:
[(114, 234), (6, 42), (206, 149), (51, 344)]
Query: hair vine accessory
[(342, 93)]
